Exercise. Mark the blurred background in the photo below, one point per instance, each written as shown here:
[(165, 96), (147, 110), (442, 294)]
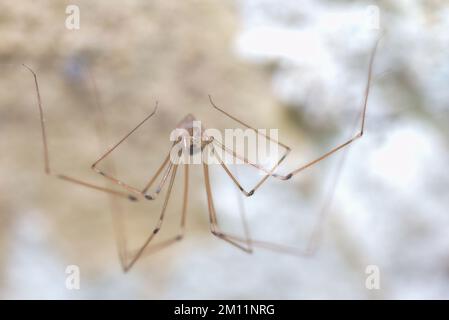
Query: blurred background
[(299, 67)]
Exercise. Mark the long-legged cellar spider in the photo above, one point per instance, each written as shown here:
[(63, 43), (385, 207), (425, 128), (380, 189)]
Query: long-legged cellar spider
[(169, 170)]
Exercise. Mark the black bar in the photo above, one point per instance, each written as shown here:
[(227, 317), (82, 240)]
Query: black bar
[(225, 309)]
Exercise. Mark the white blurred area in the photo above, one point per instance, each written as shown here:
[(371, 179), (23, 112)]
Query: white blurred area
[(390, 207)]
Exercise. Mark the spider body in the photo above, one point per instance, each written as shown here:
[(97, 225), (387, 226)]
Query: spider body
[(191, 135)]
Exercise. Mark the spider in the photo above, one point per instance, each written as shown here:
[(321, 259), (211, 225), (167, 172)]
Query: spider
[(169, 169)]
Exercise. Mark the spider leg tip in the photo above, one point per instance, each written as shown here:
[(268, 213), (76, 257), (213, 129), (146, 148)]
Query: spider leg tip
[(211, 100)]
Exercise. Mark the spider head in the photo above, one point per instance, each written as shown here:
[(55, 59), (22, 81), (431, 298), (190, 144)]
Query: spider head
[(193, 138)]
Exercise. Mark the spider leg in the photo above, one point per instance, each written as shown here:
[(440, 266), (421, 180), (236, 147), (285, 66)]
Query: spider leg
[(129, 263), (109, 151), (47, 168), (214, 227), (135, 190), (118, 217), (153, 195), (358, 135), (180, 235), (235, 180), (313, 241), (268, 172)]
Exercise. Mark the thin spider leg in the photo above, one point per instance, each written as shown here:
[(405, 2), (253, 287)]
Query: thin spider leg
[(255, 165), (158, 172), (358, 135), (268, 172), (273, 246), (243, 218), (118, 220), (117, 211), (245, 160), (125, 137), (214, 227), (143, 192), (158, 226), (314, 239), (235, 180), (47, 167), (158, 189), (107, 153), (245, 124), (119, 226), (245, 243), (180, 235), (153, 195)]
